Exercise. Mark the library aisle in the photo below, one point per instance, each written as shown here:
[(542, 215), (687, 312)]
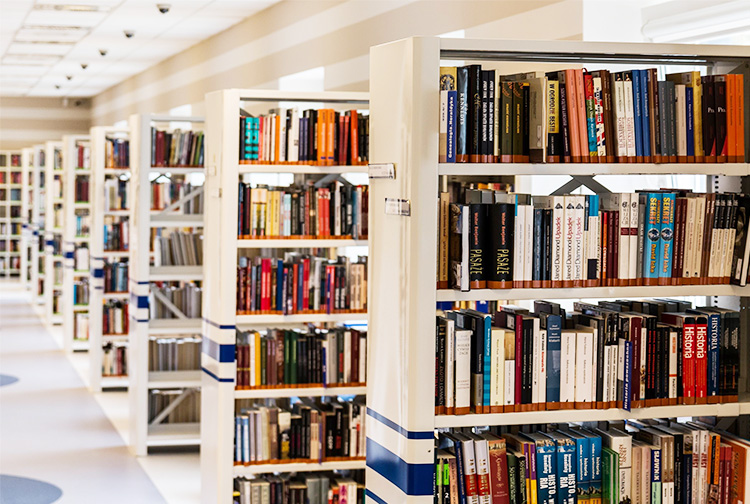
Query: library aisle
[(57, 437)]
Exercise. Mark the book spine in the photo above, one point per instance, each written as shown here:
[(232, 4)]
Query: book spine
[(701, 361), (666, 238), (652, 235), (588, 83), (462, 136), (720, 97), (638, 96), (601, 137), (451, 117)]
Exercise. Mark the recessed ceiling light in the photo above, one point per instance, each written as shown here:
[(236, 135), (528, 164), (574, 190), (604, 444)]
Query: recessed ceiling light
[(84, 66), (70, 7)]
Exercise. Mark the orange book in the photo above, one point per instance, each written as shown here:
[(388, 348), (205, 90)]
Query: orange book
[(572, 98), (355, 138), (583, 136), (276, 138), (731, 118), (740, 89), (321, 144), (331, 138)]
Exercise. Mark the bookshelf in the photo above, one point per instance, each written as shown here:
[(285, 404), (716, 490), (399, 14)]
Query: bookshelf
[(53, 231), (27, 164), (220, 318), (144, 276), (10, 213), (38, 205), (105, 172), (77, 207), (404, 91)]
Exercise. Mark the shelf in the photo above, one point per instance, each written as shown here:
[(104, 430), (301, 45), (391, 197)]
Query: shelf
[(81, 204), (584, 415), (116, 170), (81, 273), (116, 212), (168, 220), (174, 379), (115, 337), (80, 308), (241, 470), (299, 392), (80, 346), (510, 169), (305, 169), (300, 243), (175, 326), (592, 292), (116, 295), (82, 171), (175, 273), (115, 253), (177, 170), (300, 318), (178, 434), (80, 239), (109, 382)]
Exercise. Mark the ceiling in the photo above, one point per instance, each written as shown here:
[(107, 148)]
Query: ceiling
[(45, 44)]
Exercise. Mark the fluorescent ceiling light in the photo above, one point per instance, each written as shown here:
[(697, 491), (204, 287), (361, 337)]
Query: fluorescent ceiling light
[(41, 48), (30, 59), (70, 7), (51, 34)]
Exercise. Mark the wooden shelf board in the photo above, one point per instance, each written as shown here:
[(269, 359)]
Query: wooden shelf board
[(299, 392)]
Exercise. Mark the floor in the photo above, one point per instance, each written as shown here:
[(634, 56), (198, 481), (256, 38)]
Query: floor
[(59, 442)]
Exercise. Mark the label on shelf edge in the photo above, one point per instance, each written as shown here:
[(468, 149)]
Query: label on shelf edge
[(381, 170)]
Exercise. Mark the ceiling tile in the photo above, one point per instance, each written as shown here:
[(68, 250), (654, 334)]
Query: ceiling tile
[(41, 48)]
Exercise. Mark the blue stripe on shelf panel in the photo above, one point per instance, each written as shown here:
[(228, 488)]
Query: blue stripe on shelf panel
[(374, 496), (99, 288), (221, 353), (220, 326), (98, 273), (69, 255), (49, 242), (140, 321), (412, 479), (137, 282), (224, 380), (393, 425), (142, 302)]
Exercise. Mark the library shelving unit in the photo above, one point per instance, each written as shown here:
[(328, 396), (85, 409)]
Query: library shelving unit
[(38, 205), (10, 213), (53, 230), (405, 101), (146, 432), (220, 318), (76, 230), (104, 170), (27, 164)]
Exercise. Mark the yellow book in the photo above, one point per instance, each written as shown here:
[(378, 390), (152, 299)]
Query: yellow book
[(447, 78)]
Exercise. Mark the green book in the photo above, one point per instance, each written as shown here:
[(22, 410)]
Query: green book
[(610, 479), (512, 478)]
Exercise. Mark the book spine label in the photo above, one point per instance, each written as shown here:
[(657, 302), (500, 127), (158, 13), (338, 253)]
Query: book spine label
[(637, 112), (558, 240), (688, 360), (645, 113), (451, 115)]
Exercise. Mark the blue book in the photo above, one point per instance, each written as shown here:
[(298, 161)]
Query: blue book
[(645, 115), (238, 438), (567, 466), (546, 468), (486, 326), (652, 235), (451, 140), (666, 235), (279, 285), (583, 464), (245, 437), (300, 287), (637, 110), (690, 119), (458, 452), (553, 323)]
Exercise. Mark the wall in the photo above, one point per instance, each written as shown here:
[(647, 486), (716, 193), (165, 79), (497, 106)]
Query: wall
[(293, 36), (28, 121)]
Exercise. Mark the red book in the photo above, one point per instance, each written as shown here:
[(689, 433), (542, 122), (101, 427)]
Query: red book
[(701, 359), (293, 280), (329, 288), (305, 284), (266, 292), (470, 469), (498, 470), (355, 137)]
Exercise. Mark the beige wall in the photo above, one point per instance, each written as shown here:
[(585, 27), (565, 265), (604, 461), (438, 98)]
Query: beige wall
[(28, 121), (293, 36)]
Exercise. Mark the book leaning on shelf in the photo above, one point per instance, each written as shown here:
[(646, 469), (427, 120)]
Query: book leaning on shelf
[(308, 431), (322, 137), (165, 191), (615, 354), (492, 239), (301, 283), (293, 358), (176, 149), (579, 116), (188, 410), (638, 462), (336, 210), (312, 488)]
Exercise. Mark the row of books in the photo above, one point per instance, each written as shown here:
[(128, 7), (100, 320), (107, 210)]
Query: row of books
[(579, 116), (301, 283), (322, 137), (115, 358), (81, 258), (661, 237), (83, 223), (116, 234), (117, 153), (116, 276), (165, 192), (15, 160), (16, 178), (12, 228), (81, 292), (81, 189), (178, 249), (115, 318), (308, 430), (185, 297), (338, 210), (174, 354), (292, 358), (12, 263), (116, 193), (187, 411), (301, 488), (651, 461), (80, 324), (58, 216), (612, 354), (15, 194), (176, 149), (83, 157)]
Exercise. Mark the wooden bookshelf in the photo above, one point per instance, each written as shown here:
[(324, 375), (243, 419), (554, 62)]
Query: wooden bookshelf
[(142, 220), (405, 101), (221, 319), (53, 232)]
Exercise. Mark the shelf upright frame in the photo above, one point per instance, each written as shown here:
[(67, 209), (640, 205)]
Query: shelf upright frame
[(26, 205), (50, 231), (71, 241), (405, 101), (141, 275), (97, 338), (37, 243), (220, 319), (8, 236)]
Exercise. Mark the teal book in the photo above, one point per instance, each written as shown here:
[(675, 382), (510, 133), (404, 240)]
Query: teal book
[(652, 202), (666, 235), (546, 468)]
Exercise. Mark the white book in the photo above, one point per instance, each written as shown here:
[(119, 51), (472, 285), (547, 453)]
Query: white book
[(482, 458), (443, 127), (700, 217), (633, 247), (568, 237), (509, 391), (450, 363), (293, 137), (497, 361), (623, 206), (584, 363), (347, 356), (622, 444), (681, 119), (619, 109), (579, 214), (717, 237), (536, 362), (601, 147), (606, 373), (613, 356), (629, 117), (727, 244), (463, 368), (519, 238), (568, 345), (528, 247), (687, 268), (594, 353), (558, 220)]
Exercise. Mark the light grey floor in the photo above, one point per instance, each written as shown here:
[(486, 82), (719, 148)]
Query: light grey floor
[(51, 428)]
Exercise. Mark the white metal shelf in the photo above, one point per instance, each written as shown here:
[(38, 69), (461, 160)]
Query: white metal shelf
[(177, 434), (300, 169), (268, 393), (176, 273), (511, 169), (299, 243), (115, 295), (177, 170), (333, 465), (174, 379), (158, 327), (298, 318), (110, 382), (50, 175), (79, 345), (179, 220)]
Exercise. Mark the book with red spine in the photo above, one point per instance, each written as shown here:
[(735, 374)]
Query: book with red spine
[(306, 284), (701, 359), (499, 487), (688, 324)]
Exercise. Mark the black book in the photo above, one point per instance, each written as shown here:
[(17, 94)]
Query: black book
[(475, 114), (538, 244), (528, 365), (440, 331), (462, 136), (564, 120), (709, 117), (477, 236), (525, 121), (547, 230), (720, 97), (491, 115), (554, 137), (484, 143), (330, 432), (499, 266)]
